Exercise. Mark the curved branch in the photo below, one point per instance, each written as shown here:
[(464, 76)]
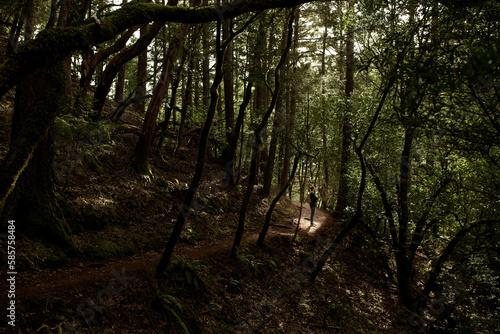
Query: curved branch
[(436, 270), (54, 44)]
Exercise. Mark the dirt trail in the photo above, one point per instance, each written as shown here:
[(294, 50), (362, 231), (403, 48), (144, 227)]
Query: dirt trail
[(50, 280)]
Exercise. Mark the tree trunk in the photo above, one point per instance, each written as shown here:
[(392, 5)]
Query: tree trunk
[(258, 141), (200, 163), (27, 169), (324, 191), (269, 169), (206, 62), (233, 142), (116, 64), (142, 74), (342, 199), (186, 104), (267, 223), (228, 81), (140, 157), (120, 85), (291, 111), (275, 133), (28, 26), (403, 264)]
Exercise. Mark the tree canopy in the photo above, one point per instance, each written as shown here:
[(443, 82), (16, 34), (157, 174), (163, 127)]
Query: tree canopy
[(390, 109)]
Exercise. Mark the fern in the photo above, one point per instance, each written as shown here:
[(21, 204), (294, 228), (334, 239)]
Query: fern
[(172, 305)]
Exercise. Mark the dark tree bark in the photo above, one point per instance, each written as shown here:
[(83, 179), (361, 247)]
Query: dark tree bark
[(114, 66), (120, 85), (346, 120), (324, 190), (271, 158), (260, 103), (206, 70), (228, 81), (140, 157), (142, 74), (30, 13), (291, 100), (32, 200), (404, 266), (267, 223), (275, 133), (90, 63), (258, 141), (202, 151), (233, 142), (186, 103), (53, 14)]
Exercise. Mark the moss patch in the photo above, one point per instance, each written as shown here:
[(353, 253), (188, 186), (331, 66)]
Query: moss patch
[(107, 250)]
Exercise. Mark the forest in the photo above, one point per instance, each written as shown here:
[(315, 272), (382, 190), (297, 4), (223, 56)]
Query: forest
[(157, 160)]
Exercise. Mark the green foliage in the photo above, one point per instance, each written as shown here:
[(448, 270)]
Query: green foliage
[(105, 250), (83, 142), (38, 254), (83, 104), (174, 308), (259, 268), (165, 184), (188, 276)]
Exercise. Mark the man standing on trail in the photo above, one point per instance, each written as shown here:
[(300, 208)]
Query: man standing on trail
[(312, 204)]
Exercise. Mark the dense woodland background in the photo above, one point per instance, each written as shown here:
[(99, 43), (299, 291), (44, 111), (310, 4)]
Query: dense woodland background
[(136, 127)]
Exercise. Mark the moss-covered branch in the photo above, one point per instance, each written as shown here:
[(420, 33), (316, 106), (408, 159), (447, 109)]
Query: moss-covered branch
[(54, 44)]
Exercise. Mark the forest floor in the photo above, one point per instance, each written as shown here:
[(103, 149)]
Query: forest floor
[(44, 281), (264, 291)]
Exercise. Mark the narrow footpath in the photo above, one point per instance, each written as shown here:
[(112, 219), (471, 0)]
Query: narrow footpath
[(50, 280)]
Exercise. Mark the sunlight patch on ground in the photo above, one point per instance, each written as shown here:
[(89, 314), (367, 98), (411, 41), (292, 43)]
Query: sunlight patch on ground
[(305, 219), (99, 202)]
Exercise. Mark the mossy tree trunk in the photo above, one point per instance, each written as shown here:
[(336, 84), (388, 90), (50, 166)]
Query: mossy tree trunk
[(28, 194)]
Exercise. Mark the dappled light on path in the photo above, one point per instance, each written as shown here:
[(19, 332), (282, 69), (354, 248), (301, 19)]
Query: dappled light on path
[(320, 218), (47, 280)]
